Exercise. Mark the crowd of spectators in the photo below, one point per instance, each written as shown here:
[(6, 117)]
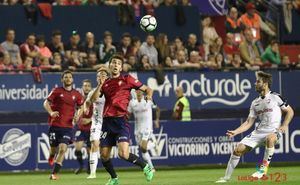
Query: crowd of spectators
[(241, 49)]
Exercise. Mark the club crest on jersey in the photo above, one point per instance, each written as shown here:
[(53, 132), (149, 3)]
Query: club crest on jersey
[(120, 83), (268, 100), (73, 97), (61, 95)]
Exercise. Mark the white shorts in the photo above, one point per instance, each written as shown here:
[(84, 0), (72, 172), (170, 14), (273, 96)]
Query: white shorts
[(95, 132), (256, 139), (142, 135)]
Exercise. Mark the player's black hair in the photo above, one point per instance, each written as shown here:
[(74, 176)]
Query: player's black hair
[(117, 56), (66, 72), (266, 77), (86, 81)]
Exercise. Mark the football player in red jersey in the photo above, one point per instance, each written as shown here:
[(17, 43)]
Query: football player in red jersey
[(115, 128), (82, 134), (61, 104)]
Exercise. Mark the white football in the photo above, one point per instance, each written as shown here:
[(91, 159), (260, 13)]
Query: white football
[(148, 23)]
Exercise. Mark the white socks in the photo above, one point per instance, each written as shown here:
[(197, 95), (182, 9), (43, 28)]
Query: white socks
[(268, 155), (147, 158), (93, 162), (232, 163)]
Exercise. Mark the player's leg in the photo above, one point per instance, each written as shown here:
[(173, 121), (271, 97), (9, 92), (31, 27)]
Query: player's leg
[(122, 138), (107, 141), (106, 162), (53, 145), (240, 150), (52, 153), (95, 143), (270, 146), (270, 141), (94, 158), (63, 138), (145, 146), (145, 154), (62, 148), (88, 150), (78, 154)]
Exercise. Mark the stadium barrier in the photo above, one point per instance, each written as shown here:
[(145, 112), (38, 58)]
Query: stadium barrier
[(97, 20), (205, 90), (26, 146)]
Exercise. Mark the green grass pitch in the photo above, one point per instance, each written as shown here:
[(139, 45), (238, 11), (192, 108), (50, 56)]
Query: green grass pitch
[(280, 175)]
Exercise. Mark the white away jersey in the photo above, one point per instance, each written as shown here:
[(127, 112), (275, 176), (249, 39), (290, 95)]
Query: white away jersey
[(98, 107), (267, 110), (142, 112)]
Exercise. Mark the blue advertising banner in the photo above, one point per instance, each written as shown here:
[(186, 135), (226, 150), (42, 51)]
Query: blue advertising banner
[(211, 7), (291, 87), (205, 90), (177, 143)]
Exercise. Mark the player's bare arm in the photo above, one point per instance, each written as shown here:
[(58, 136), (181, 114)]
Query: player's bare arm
[(148, 91), (157, 116), (77, 115), (86, 105), (244, 127), (289, 114), (49, 110)]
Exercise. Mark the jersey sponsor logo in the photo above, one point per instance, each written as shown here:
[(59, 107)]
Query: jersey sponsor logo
[(14, 147), (231, 91), (264, 111)]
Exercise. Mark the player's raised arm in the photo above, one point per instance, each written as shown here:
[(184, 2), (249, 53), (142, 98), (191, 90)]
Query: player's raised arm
[(148, 91), (244, 127), (102, 75)]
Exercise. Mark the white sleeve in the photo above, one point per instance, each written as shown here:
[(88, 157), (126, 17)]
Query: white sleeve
[(130, 109), (252, 113), (281, 102)]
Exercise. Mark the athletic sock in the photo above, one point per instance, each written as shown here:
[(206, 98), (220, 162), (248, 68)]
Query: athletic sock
[(135, 160), (268, 156), (109, 168), (78, 155), (232, 163), (147, 158), (56, 168), (93, 161)]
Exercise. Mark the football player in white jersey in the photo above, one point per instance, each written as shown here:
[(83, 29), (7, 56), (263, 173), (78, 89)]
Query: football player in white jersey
[(267, 110), (142, 111), (97, 119)]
